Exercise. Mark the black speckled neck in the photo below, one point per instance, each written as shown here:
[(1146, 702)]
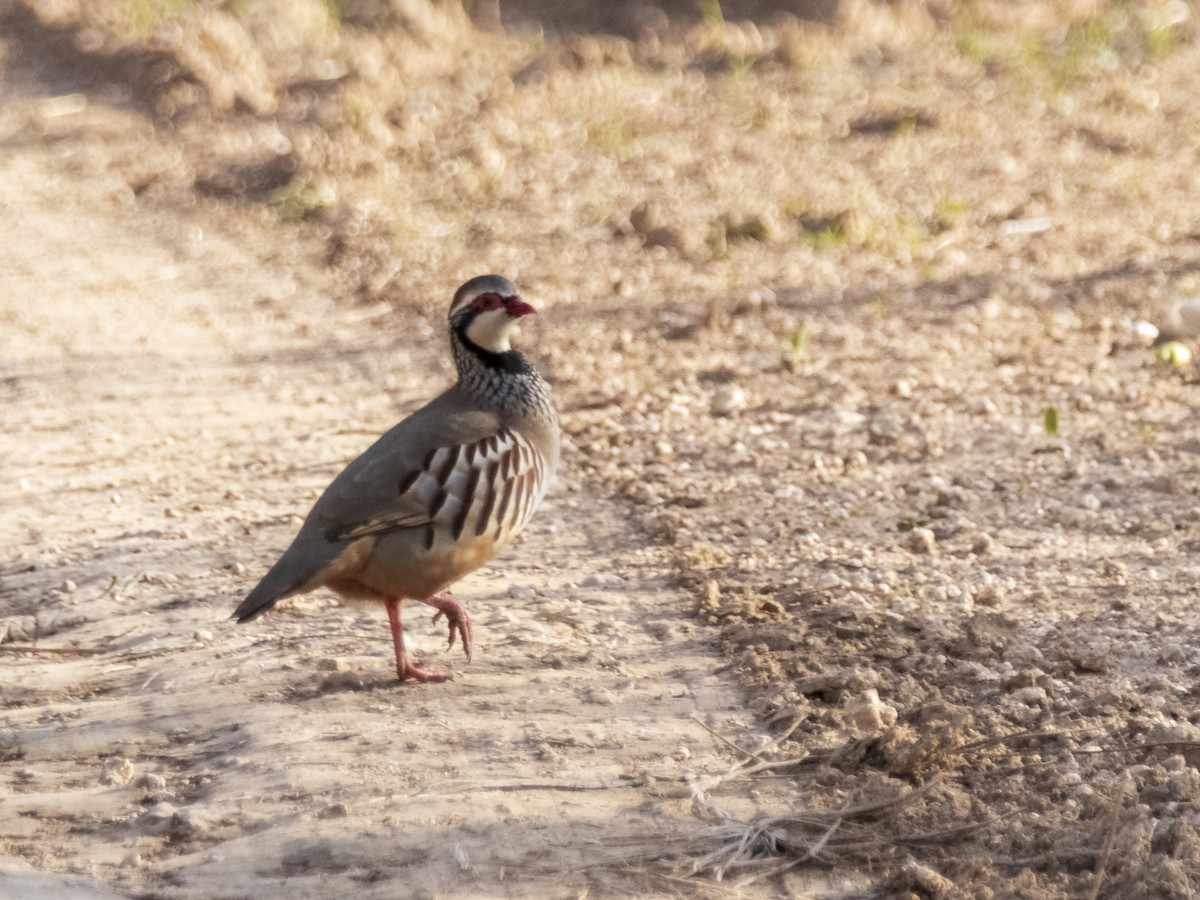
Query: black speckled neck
[(503, 382)]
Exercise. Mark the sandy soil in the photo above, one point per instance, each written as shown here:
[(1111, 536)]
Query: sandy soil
[(174, 398), (810, 293)]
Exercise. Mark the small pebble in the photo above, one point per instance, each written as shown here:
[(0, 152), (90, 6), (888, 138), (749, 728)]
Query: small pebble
[(601, 697), (921, 540), (883, 429), (1145, 330), (663, 631), (1030, 696), (189, 823), (867, 713), (727, 400), (1115, 570), (928, 881), (116, 771), (160, 813), (461, 857), (990, 595), (341, 681), (334, 811), (983, 544), (1175, 763), (150, 782)]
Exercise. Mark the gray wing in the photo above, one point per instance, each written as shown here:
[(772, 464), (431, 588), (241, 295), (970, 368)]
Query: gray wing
[(405, 479)]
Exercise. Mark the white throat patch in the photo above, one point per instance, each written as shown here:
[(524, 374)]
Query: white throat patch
[(490, 330)]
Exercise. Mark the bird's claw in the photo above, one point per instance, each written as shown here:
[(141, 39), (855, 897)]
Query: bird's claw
[(420, 674), (457, 619)]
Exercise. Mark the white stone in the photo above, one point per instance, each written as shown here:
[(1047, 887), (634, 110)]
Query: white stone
[(865, 712)]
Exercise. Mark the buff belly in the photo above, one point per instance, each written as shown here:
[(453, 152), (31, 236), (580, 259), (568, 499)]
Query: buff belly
[(400, 564)]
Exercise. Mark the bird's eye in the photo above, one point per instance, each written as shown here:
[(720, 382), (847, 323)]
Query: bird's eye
[(489, 301)]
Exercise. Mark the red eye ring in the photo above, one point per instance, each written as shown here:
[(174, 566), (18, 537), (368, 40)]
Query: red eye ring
[(489, 301)]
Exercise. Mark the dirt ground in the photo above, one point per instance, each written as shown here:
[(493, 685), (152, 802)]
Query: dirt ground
[(871, 569), (174, 398)]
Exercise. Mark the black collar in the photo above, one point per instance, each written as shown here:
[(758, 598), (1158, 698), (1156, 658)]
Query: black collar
[(510, 362)]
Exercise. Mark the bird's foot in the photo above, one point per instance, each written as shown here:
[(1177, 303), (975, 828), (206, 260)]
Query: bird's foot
[(405, 668), (417, 673), (456, 617)]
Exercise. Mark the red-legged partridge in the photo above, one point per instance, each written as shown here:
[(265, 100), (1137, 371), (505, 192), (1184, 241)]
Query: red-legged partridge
[(439, 494)]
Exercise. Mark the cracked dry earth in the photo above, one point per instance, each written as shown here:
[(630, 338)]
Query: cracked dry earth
[(173, 400)]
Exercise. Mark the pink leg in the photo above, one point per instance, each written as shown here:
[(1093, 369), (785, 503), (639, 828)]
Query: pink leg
[(404, 668), (456, 617)]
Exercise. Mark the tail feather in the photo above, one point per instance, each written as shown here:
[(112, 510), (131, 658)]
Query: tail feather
[(295, 572), (258, 601)]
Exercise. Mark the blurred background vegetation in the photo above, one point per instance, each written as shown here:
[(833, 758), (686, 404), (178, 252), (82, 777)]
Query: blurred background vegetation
[(437, 123)]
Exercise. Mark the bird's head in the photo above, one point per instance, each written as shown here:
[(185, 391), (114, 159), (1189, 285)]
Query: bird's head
[(484, 311)]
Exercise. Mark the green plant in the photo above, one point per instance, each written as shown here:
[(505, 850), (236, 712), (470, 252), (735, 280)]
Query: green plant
[(877, 307), (1050, 421), (946, 211), (145, 16), (294, 202), (711, 14), (796, 348), (823, 232), (616, 137)]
